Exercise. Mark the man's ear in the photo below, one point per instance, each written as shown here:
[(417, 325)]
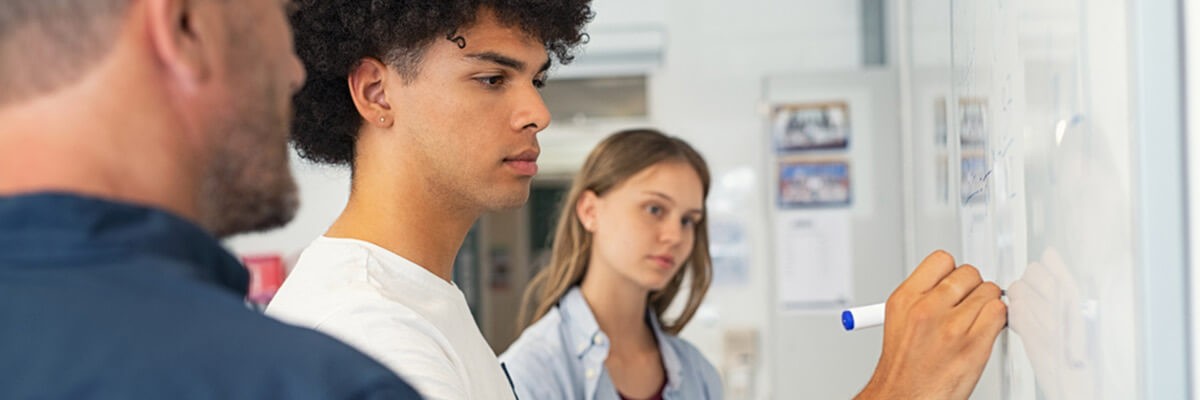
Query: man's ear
[(585, 210), (180, 32), (368, 88)]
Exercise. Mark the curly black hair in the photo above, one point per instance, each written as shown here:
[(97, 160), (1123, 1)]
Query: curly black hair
[(332, 36)]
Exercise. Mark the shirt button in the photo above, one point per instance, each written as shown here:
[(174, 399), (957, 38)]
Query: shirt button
[(582, 346), (591, 373), (598, 340)]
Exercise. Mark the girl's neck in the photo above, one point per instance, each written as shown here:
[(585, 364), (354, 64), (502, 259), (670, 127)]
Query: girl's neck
[(620, 310)]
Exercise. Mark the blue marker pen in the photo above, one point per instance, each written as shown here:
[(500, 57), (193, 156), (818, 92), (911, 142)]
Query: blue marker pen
[(863, 317), (866, 316)]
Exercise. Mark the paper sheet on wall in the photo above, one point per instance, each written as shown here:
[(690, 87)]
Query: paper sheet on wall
[(813, 260), (728, 241), (730, 251)]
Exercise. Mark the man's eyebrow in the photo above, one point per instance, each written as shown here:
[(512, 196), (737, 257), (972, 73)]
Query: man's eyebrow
[(506, 61)]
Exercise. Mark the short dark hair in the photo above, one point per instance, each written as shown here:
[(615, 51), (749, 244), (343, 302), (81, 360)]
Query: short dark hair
[(73, 34), (332, 36)]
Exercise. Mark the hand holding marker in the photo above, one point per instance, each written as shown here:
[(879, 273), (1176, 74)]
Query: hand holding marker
[(866, 316)]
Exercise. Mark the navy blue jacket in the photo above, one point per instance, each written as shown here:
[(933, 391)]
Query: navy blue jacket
[(105, 300)]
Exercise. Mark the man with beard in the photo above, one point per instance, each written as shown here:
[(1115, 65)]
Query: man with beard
[(133, 134)]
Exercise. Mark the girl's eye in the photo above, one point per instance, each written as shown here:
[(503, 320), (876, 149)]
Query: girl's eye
[(688, 222), (654, 210)]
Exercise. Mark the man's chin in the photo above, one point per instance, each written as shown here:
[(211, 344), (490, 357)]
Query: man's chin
[(241, 213), (511, 202)]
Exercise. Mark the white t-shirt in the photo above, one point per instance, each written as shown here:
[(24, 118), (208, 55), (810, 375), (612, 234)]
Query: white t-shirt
[(395, 311)]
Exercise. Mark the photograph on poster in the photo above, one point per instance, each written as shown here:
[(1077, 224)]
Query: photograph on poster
[(975, 174), (814, 183), (811, 126), (972, 122)]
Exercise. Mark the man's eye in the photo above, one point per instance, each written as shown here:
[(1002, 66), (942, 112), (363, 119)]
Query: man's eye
[(492, 80)]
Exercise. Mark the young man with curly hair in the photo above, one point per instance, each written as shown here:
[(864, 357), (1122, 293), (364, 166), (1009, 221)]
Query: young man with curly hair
[(134, 134), (435, 107)]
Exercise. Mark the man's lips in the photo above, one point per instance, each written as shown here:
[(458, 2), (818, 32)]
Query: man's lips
[(524, 163)]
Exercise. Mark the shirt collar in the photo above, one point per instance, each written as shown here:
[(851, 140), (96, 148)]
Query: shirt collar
[(578, 315), (670, 357), (61, 228), (585, 330)]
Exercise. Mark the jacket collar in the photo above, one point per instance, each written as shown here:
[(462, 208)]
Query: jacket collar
[(61, 229)]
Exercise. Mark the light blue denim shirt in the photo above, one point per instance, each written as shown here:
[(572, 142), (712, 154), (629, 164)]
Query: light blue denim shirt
[(561, 357)]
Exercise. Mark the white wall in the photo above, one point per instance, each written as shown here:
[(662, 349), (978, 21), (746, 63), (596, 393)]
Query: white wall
[(1192, 76)]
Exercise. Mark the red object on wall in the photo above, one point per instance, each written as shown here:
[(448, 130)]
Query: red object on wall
[(266, 275)]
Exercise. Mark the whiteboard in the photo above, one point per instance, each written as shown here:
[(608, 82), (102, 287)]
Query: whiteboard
[(1029, 125)]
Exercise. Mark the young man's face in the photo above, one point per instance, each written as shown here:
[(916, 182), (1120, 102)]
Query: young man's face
[(249, 186), (471, 115)]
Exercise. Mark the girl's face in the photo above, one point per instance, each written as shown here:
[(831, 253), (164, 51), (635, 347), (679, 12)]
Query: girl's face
[(644, 229)]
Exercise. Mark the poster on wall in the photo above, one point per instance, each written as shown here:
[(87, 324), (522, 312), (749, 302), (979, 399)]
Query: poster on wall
[(729, 251), (814, 203), (730, 200), (975, 175), (813, 261), (975, 167), (811, 126), (814, 183), (267, 273), (941, 151), (941, 128), (972, 122)]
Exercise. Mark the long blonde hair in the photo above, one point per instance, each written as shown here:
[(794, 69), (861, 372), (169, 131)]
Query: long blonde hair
[(614, 160)]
